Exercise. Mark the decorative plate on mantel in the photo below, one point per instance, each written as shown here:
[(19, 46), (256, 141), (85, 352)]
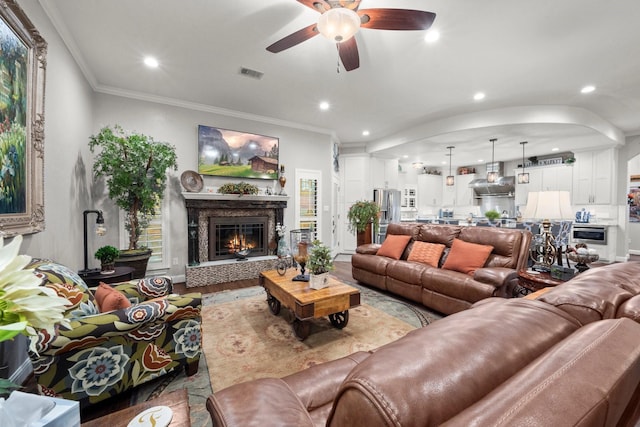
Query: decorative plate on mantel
[(191, 181)]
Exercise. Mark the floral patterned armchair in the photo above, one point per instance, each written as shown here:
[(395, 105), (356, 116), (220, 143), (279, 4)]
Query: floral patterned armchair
[(104, 354)]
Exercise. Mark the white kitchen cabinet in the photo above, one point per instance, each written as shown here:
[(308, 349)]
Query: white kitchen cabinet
[(429, 191), (448, 194), (464, 194), (544, 178), (384, 173), (592, 178), (409, 196)]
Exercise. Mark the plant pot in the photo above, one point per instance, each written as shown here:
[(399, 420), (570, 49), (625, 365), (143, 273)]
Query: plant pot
[(137, 259), (108, 268), (318, 281), (364, 237)]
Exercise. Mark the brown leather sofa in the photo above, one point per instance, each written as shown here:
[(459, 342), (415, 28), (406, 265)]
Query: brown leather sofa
[(443, 290), (564, 359)]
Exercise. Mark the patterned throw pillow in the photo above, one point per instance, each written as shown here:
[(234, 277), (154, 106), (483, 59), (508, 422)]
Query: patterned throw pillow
[(467, 257), (67, 284), (426, 253), (393, 245)]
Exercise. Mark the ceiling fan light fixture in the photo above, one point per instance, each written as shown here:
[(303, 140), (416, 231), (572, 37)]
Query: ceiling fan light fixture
[(339, 24)]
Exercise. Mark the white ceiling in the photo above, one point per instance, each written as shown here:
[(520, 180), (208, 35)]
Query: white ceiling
[(530, 58)]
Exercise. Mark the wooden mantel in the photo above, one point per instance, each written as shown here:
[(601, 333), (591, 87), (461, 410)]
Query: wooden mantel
[(243, 197)]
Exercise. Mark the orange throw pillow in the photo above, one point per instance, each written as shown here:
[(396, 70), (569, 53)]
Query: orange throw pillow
[(393, 245), (467, 257), (426, 253), (109, 299)]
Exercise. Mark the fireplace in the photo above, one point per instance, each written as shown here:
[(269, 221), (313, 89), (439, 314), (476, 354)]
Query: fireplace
[(250, 217), (230, 235)]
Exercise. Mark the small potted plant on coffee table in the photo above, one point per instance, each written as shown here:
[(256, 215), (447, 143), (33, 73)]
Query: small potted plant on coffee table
[(320, 263), (107, 256)]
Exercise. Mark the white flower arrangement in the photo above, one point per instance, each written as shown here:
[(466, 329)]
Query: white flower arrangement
[(25, 305), (281, 229)]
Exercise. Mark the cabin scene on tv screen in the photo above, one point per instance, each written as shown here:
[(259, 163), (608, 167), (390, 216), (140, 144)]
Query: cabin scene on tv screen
[(223, 152)]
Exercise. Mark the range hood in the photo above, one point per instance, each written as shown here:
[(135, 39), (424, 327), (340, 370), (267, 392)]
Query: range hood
[(504, 186)]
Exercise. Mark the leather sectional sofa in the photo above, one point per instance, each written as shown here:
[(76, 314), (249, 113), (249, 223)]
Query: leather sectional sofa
[(569, 357), (439, 288)]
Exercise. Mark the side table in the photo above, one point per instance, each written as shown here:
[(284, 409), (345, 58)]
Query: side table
[(177, 400), (122, 274), (534, 281)]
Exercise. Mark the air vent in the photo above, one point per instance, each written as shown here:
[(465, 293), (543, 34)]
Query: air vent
[(251, 73)]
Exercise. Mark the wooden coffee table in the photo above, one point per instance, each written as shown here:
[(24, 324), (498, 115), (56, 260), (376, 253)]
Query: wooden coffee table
[(305, 303)]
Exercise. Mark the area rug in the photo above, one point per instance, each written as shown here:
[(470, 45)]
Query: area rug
[(375, 304), (243, 340)]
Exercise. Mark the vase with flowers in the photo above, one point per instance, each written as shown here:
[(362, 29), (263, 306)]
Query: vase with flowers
[(25, 306)]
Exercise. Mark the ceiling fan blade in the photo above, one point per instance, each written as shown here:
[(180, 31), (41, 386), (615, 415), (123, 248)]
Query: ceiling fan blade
[(294, 39), (317, 5), (348, 51), (350, 4), (396, 19)]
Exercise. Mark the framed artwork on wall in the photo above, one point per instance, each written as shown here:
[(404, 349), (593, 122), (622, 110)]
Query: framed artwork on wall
[(230, 153), (22, 80)]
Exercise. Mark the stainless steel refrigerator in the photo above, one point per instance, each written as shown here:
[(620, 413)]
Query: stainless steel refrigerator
[(389, 202)]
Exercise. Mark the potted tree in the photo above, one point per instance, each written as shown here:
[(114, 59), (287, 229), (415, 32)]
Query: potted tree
[(107, 256), (135, 168), (319, 264), (363, 220)]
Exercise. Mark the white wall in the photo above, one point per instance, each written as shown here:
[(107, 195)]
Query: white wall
[(298, 149), (68, 119)]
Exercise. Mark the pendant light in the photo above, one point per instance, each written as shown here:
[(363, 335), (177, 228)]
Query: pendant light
[(493, 175), (523, 178), (450, 179)]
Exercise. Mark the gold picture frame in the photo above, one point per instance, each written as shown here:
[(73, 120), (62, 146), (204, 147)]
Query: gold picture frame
[(22, 87)]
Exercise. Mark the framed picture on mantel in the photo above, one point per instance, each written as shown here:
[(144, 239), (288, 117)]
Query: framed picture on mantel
[(22, 80), (230, 153)]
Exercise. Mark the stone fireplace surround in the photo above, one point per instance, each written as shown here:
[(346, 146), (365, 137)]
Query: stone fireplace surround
[(200, 206)]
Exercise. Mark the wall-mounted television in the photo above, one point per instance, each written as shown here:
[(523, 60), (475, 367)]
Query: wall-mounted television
[(230, 153)]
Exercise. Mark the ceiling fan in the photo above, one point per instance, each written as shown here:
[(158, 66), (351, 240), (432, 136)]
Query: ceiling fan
[(341, 19)]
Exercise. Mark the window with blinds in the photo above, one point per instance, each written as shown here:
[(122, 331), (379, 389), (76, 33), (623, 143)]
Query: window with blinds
[(154, 237), (308, 201), (151, 237)]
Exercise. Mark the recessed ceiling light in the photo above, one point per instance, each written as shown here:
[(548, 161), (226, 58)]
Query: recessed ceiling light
[(588, 89), (555, 149), (480, 160), (444, 162), (406, 156), (432, 36), (324, 105), (479, 96), (151, 62), (365, 133)]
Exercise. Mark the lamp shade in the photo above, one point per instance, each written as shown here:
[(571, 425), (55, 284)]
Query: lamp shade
[(339, 24), (548, 205)]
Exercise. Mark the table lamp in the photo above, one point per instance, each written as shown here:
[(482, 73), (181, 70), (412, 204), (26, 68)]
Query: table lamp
[(100, 231), (548, 206)]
